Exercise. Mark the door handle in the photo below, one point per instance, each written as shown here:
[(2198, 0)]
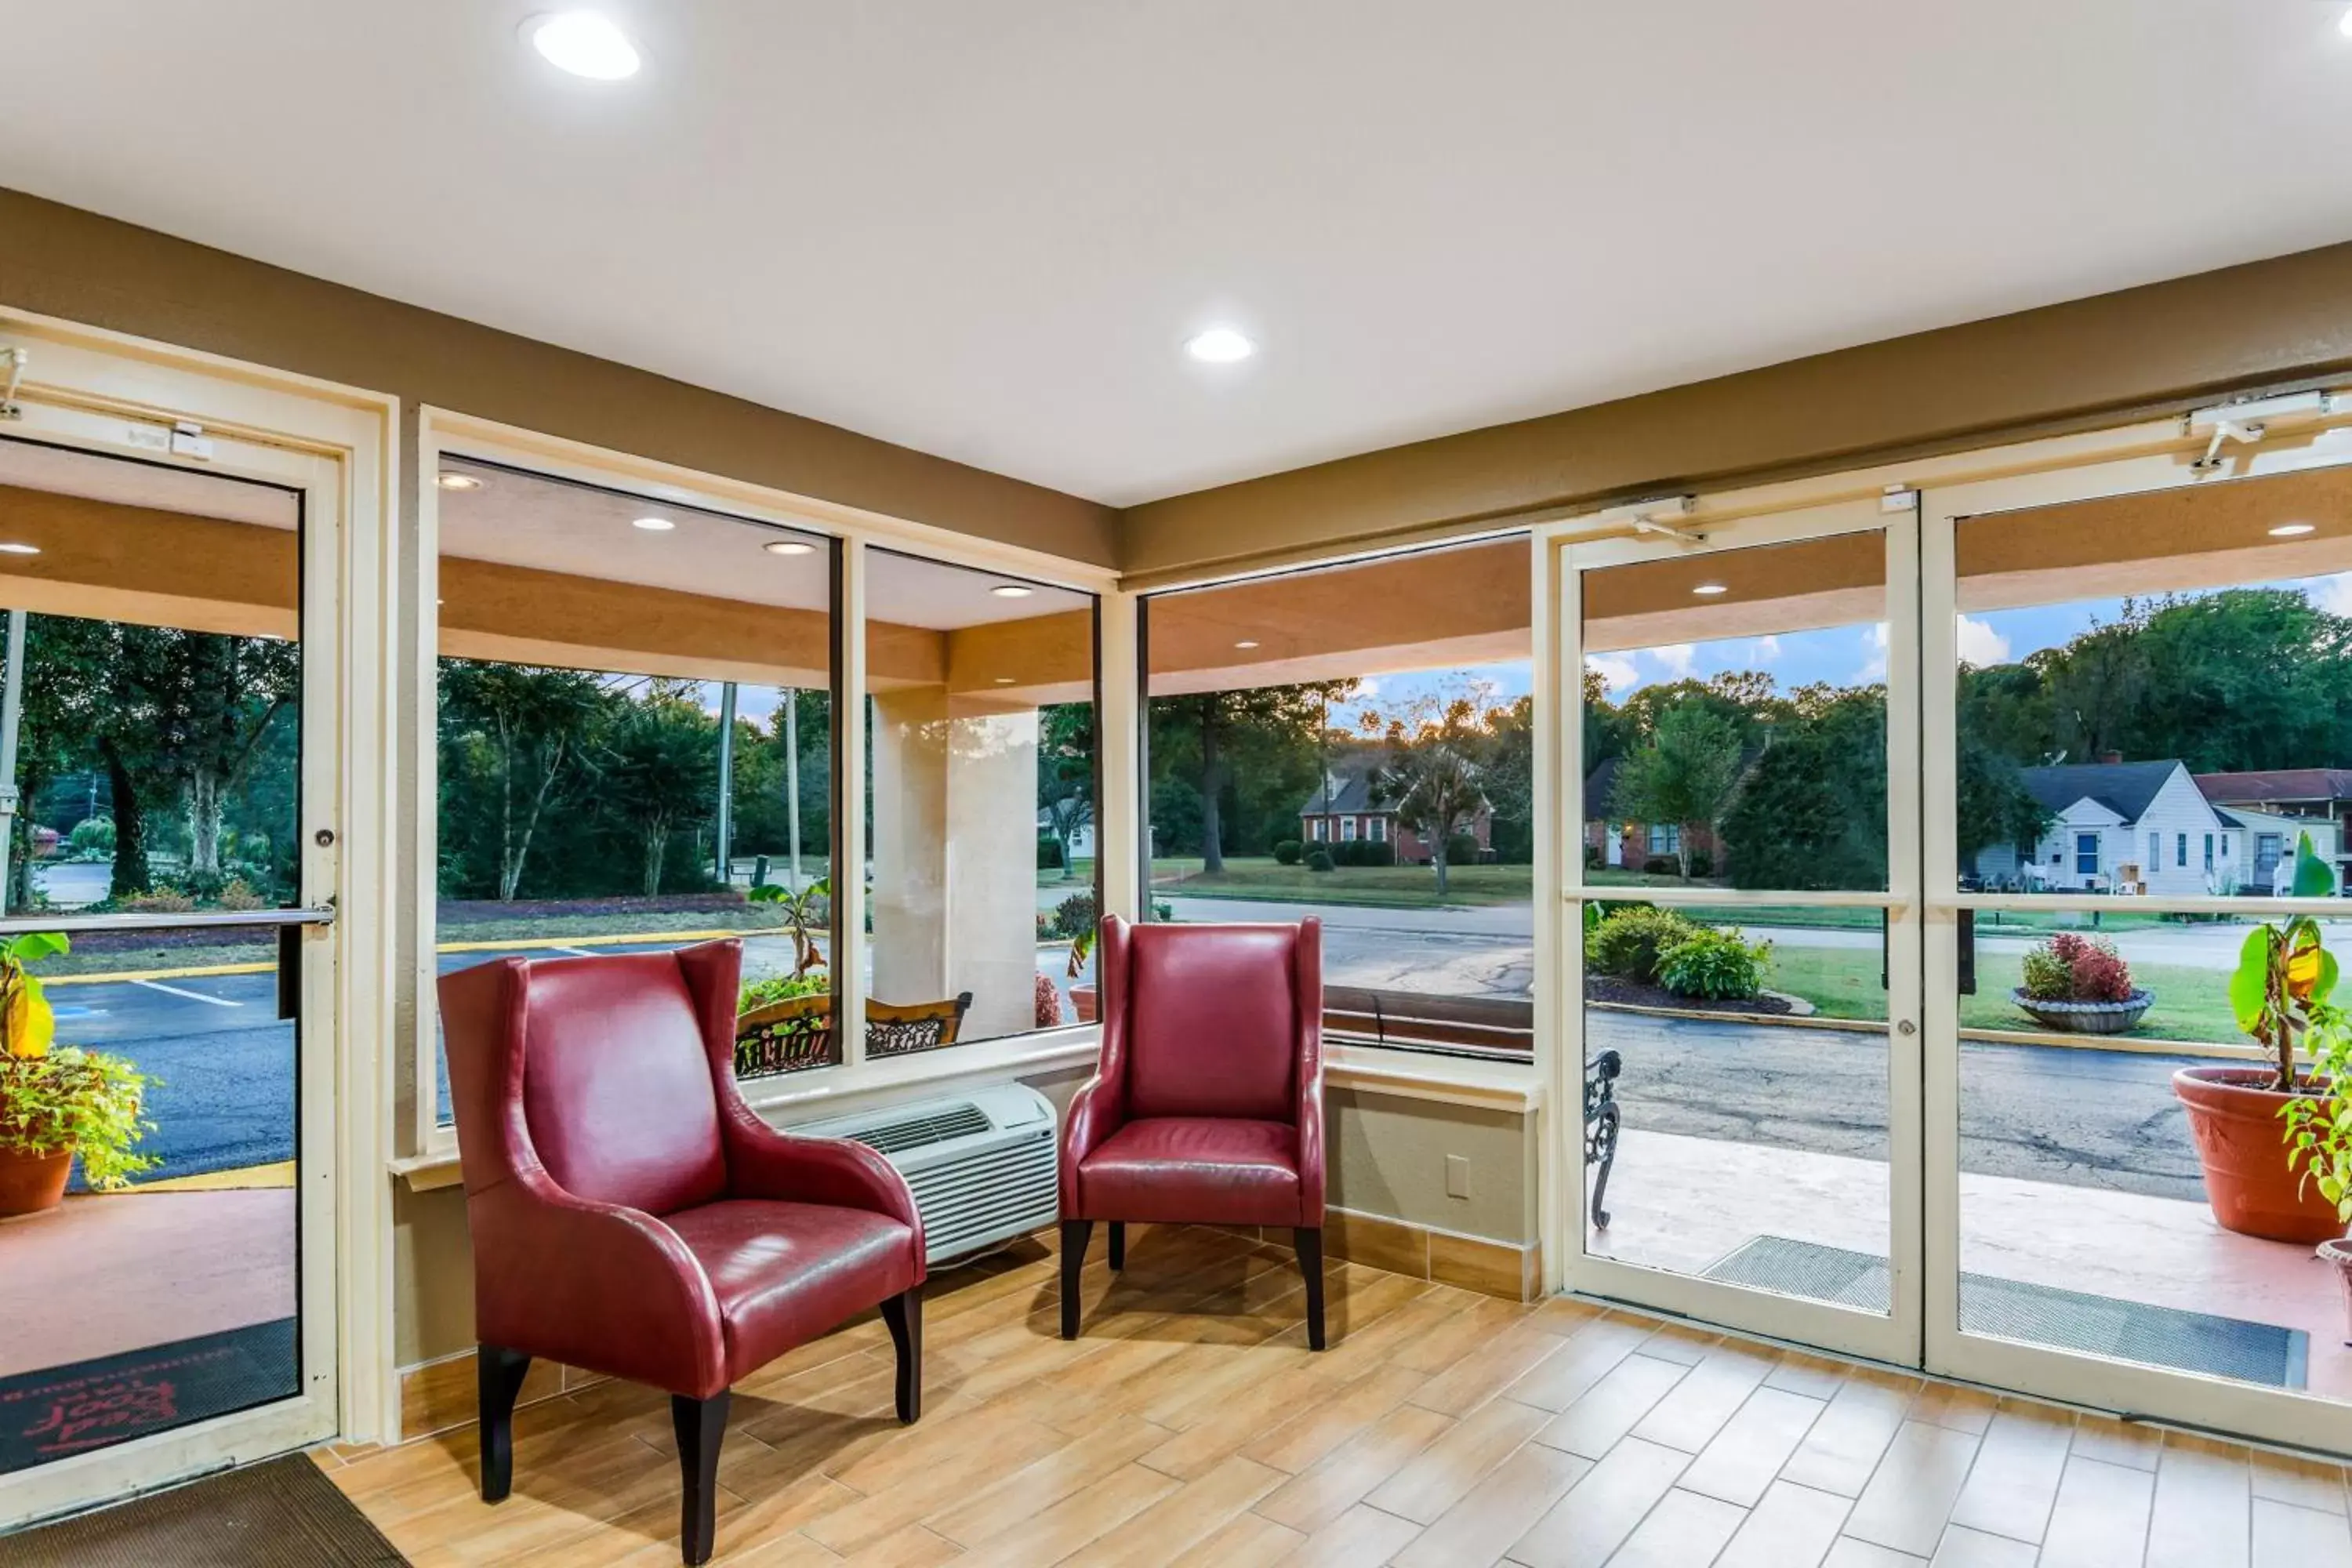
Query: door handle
[(1906, 1027)]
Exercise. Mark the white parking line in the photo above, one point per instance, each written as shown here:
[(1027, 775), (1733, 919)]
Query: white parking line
[(579, 952), (191, 995)]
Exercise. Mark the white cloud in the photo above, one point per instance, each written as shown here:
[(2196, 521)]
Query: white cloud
[(1765, 649), (1874, 654), (2334, 594), (1675, 657), (1981, 645), (1616, 671), (1369, 686)]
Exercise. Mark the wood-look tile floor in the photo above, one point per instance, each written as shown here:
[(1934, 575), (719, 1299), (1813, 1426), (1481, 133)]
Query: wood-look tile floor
[(1189, 1424)]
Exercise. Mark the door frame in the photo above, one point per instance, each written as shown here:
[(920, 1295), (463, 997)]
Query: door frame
[(116, 395), (1701, 526), (2277, 1415)]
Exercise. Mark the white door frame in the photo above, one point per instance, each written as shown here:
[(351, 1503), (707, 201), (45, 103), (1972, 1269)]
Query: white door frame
[(2273, 1415), (112, 394), (1564, 553)]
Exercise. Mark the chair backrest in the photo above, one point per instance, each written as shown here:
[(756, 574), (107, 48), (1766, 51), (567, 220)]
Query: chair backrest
[(606, 1060), (1217, 1017)]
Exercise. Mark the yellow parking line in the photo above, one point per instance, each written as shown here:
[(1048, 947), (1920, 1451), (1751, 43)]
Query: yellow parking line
[(280, 1175), (198, 970), (189, 973)]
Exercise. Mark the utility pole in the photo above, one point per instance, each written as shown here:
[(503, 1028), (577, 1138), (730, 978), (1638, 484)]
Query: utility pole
[(793, 784), (726, 855)]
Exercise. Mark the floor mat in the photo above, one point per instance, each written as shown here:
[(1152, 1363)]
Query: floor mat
[(2035, 1314), (60, 1410), (282, 1513)]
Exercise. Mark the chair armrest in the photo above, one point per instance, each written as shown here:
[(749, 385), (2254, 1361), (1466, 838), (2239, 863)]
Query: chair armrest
[(764, 1162), (597, 1286), (1094, 1115), (1310, 1146)]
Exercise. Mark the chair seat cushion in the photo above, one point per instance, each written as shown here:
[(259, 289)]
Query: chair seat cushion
[(786, 1273), (1194, 1170)]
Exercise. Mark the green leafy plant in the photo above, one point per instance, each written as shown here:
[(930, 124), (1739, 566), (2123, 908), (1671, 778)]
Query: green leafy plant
[(1288, 852), (2319, 1125), (1075, 916), (27, 1024), (2070, 967), (85, 1101), (1716, 966), (758, 994), (1628, 942), (1319, 859), (2284, 971), (805, 913)]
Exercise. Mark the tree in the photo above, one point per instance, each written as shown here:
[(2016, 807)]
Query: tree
[(660, 769), (521, 730), (206, 701), (1066, 772), (1203, 733), (1683, 773), (1993, 807), (1435, 790)]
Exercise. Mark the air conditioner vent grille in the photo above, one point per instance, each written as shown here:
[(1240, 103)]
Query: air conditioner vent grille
[(957, 1120)]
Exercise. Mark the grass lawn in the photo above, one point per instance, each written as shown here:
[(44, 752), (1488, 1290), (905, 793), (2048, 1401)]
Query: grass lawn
[(2190, 1004), (1384, 887), (748, 917)]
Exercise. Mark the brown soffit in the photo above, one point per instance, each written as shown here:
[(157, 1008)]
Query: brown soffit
[(80, 267), (2101, 360)]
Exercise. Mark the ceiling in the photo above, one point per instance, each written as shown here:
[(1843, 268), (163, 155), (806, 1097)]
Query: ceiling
[(984, 230), (128, 482)]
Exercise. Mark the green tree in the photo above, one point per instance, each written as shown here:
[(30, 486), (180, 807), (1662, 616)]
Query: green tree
[(1066, 772), (206, 701), (1683, 773), (659, 769), (513, 739), (1204, 734), (1434, 788)]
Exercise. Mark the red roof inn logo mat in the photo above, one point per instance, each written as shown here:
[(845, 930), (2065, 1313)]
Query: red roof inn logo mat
[(61, 1411)]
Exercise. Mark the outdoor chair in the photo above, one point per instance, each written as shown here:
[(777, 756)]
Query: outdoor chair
[(632, 1216), (1207, 1106), (901, 1028)]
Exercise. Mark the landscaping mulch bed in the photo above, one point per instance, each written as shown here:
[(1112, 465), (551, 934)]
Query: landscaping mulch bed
[(1632, 993)]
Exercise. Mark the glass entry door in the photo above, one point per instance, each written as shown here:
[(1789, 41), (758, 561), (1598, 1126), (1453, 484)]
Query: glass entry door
[(2139, 718), (166, 734), (1743, 935)]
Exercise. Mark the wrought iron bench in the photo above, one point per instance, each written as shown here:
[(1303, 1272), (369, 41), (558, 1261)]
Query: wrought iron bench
[(1480, 1026)]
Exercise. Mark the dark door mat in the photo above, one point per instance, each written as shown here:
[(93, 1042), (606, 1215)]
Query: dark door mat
[(60, 1410), (2035, 1314), (281, 1513)]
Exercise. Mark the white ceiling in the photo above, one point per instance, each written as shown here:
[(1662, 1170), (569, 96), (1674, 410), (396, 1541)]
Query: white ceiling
[(127, 481), (983, 228)]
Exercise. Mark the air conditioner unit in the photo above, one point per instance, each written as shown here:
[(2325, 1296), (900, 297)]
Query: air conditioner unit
[(984, 1167)]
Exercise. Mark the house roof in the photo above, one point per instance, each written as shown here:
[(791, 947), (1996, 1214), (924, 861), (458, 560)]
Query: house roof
[(1352, 792), (2277, 783), (2125, 788)]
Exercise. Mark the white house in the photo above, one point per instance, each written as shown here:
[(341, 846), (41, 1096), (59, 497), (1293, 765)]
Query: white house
[(2126, 827)]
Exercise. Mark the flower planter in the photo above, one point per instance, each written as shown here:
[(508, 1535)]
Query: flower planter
[(2240, 1142), (1081, 997), (2339, 1253), (32, 1183), (2086, 1018)]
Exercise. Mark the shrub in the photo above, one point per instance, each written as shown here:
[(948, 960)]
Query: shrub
[(1462, 849), (161, 901), (1164, 912), (1049, 852), (1049, 1003), (1319, 859), (781, 988), (1702, 865), (1075, 915), (1659, 866), (1362, 852), (236, 893), (1592, 856), (2074, 968), (1286, 853), (1627, 943), (92, 839), (1714, 964)]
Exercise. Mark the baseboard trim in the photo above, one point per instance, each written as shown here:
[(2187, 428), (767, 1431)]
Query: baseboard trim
[(1423, 1252)]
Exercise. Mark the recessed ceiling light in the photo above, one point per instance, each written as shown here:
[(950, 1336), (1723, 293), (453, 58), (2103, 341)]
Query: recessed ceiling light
[(1003, 680), (2293, 530), (13, 548), (584, 44), (1710, 589), (1011, 590), (459, 482), (1246, 642), (1220, 345), (653, 524), (788, 547)]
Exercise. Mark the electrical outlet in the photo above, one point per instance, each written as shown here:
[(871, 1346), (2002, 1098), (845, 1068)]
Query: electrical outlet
[(1457, 1176)]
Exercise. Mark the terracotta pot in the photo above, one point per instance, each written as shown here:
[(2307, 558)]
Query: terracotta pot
[(2339, 1253), (1081, 997), (2240, 1142), (31, 1182)]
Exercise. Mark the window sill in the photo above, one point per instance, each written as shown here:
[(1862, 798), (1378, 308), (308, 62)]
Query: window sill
[(1512, 1087)]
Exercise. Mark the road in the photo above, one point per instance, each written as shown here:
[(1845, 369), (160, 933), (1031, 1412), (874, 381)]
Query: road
[(225, 1064)]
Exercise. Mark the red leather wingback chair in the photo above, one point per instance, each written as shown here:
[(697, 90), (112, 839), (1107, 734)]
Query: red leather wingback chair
[(1208, 1105), (632, 1216)]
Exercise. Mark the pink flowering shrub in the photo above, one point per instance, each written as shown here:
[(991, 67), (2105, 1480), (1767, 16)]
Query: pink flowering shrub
[(1049, 1003), (2074, 968)]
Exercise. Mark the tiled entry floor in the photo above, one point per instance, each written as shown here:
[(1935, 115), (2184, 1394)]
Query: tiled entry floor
[(1191, 1426)]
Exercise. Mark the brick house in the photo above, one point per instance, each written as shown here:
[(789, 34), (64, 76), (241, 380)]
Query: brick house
[(1344, 812)]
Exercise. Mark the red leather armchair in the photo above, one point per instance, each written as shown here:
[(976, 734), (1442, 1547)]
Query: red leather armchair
[(632, 1216), (1208, 1105)]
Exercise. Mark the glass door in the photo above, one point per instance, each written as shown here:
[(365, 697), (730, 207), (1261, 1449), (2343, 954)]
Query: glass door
[(167, 1251), (1742, 952), (2139, 718)]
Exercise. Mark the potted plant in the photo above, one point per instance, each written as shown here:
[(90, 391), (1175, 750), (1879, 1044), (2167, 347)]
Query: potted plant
[(2080, 984), (2319, 1135), (57, 1102), (784, 1024), (2279, 992)]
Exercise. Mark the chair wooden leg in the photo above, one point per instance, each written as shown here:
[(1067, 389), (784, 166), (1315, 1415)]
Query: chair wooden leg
[(904, 1313), (1308, 1239), (1118, 1244), (1075, 1234), (700, 1424), (498, 1381)]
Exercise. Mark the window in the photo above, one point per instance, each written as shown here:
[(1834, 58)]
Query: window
[(2180, 849), (2086, 854), (1400, 685), (979, 708), (2155, 854), (2209, 852), (635, 741)]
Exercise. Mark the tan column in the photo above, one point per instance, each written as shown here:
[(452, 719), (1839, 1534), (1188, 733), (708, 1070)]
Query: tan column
[(911, 844)]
